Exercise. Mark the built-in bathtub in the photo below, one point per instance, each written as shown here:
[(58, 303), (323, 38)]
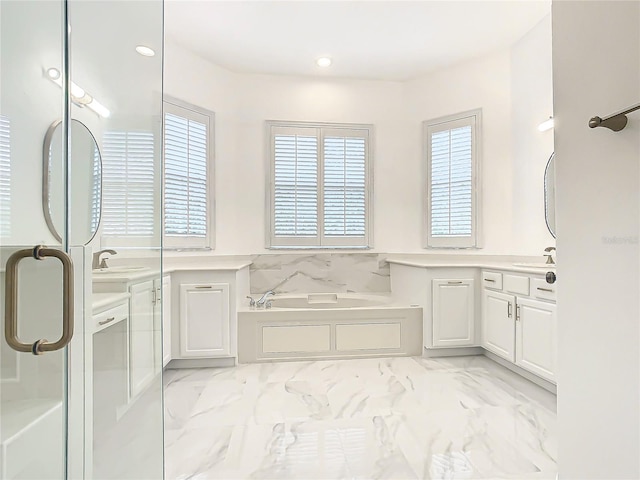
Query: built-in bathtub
[(302, 327)]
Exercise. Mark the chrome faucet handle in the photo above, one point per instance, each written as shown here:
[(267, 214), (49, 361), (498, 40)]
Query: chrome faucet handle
[(103, 263), (252, 302)]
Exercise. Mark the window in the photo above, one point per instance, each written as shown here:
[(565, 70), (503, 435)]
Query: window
[(5, 176), (452, 166), (128, 184), (96, 191), (320, 185), (188, 160)]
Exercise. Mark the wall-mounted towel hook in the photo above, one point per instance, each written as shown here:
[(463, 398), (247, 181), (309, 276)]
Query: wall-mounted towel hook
[(615, 122)]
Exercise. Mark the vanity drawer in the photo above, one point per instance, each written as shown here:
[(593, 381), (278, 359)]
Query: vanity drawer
[(516, 284), (542, 289), (492, 280), (110, 317)]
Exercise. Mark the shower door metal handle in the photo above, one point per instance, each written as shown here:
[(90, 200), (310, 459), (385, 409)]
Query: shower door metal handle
[(41, 346)]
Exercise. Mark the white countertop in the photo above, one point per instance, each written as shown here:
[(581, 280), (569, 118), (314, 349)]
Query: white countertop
[(99, 301), (170, 266), (195, 263), (489, 263)]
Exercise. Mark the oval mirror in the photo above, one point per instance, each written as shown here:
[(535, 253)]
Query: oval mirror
[(85, 183), (550, 195)]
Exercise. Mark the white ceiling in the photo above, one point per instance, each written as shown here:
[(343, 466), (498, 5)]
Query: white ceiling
[(386, 40)]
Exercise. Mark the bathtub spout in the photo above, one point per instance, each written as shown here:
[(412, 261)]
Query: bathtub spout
[(264, 298)]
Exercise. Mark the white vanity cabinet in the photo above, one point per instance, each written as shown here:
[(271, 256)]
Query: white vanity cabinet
[(204, 320), (498, 324), (517, 327), (144, 326), (453, 312), (536, 337), (142, 335), (449, 301)]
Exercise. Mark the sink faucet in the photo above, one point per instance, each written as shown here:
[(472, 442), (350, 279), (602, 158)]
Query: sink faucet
[(97, 263), (549, 255), (263, 299)]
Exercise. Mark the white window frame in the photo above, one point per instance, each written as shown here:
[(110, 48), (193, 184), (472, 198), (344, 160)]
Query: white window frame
[(471, 118), (365, 131), (190, 111)]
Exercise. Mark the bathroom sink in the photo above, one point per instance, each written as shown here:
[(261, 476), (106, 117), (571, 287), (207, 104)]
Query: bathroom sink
[(121, 269), (535, 265)]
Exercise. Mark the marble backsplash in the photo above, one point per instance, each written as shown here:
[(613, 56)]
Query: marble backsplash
[(320, 273)]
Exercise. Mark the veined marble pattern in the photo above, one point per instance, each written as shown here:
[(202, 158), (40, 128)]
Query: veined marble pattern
[(321, 273), (390, 418)]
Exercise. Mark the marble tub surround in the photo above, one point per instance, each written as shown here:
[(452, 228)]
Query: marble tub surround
[(320, 273), (396, 418)]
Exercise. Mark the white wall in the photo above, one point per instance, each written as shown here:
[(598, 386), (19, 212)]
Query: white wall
[(483, 83), (532, 103), (596, 63), (397, 109)]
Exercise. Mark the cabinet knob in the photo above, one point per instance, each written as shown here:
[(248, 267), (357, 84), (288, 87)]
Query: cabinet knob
[(551, 277)]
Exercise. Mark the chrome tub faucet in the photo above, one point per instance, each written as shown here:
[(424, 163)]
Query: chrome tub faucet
[(263, 299)]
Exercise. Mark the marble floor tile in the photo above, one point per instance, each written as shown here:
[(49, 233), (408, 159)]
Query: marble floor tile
[(396, 418)]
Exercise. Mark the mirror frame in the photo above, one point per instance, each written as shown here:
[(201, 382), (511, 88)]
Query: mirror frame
[(546, 198), (46, 154)]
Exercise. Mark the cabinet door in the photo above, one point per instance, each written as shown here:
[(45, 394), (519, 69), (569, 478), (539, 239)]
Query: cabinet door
[(166, 320), (453, 313), (142, 336), (499, 324), (204, 320), (536, 337)]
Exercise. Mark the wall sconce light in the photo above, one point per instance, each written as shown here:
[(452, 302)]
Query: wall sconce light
[(546, 125), (78, 95)]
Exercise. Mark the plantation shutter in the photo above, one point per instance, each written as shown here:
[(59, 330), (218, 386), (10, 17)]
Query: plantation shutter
[(5, 176), (186, 158), (96, 189), (319, 186), (344, 188), (295, 178), (128, 184), (451, 169)]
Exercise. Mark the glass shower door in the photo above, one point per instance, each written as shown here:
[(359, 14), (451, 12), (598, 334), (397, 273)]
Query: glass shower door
[(35, 300), (80, 172)]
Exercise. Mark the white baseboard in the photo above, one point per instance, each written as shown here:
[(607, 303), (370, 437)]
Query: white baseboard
[(201, 362), (522, 372), (452, 352)]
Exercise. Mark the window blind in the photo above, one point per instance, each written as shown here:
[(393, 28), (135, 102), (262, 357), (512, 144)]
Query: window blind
[(128, 184), (452, 159), (451, 165), (320, 182), (185, 177), (344, 186), (5, 176), (296, 186), (96, 188)]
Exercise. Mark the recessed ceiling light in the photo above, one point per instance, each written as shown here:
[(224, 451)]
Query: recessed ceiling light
[(323, 62), (146, 51)]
